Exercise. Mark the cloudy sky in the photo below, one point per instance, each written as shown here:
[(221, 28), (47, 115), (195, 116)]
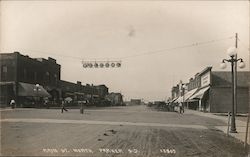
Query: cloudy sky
[(146, 36)]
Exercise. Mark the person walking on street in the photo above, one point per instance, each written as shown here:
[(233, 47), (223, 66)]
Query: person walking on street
[(181, 108), (63, 106), (12, 103)]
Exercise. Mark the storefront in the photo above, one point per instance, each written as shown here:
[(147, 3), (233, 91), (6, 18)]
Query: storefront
[(198, 101), (30, 95)]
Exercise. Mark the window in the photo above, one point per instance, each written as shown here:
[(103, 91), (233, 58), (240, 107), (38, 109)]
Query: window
[(55, 79), (35, 76), (24, 73), (4, 70), (47, 76)]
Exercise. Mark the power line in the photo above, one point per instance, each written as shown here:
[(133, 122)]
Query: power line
[(140, 54), (244, 45), (178, 47)]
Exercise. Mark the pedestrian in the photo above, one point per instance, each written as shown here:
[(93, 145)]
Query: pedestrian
[(63, 106), (12, 103), (82, 103), (181, 108), (46, 103)]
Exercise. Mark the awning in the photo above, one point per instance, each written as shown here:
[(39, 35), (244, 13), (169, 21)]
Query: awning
[(78, 93), (26, 89), (180, 99), (200, 93), (6, 83), (189, 94), (174, 99), (186, 96)]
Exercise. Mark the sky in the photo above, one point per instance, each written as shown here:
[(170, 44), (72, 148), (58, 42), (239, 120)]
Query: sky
[(149, 37)]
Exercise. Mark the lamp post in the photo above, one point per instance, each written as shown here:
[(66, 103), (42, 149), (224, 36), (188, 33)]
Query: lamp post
[(233, 60), (182, 89), (37, 89), (183, 92)]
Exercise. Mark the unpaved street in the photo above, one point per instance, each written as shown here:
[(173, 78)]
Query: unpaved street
[(119, 131)]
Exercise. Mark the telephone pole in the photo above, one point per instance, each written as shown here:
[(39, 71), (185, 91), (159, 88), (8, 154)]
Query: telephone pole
[(235, 76)]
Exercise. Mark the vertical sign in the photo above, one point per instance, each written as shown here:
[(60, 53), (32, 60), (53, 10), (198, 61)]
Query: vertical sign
[(205, 79)]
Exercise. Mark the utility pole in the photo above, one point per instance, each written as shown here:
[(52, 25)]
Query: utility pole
[(235, 76), (92, 92)]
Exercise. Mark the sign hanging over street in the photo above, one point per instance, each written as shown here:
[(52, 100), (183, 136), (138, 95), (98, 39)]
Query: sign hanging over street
[(101, 64)]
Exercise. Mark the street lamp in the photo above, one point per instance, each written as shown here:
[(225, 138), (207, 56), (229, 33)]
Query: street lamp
[(183, 87), (37, 89), (233, 60)]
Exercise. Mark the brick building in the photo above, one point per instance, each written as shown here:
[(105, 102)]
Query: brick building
[(20, 74), (135, 102), (102, 90), (211, 91), (116, 99), (94, 94), (29, 81)]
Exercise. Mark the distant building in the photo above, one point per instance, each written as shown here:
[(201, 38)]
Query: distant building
[(102, 90), (135, 102), (72, 90), (94, 94), (175, 91), (211, 91), (116, 99), (20, 74)]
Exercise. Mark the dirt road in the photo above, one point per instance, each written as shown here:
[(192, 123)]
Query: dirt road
[(130, 131)]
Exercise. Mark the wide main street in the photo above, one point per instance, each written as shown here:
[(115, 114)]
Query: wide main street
[(113, 131)]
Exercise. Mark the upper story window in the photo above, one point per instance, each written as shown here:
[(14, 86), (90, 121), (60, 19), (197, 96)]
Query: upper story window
[(35, 76), (24, 73), (55, 79), (47, 76), (4, 70)]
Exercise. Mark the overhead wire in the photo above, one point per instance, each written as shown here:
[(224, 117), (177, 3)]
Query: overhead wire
[(243, 44), (178, 47), (140, 54)]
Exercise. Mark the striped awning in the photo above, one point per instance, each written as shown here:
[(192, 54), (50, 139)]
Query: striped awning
[(173, 100), (199, 94), (189, 94), (26, 89)]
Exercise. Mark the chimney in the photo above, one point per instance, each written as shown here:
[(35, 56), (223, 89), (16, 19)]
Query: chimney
[(51, 60)]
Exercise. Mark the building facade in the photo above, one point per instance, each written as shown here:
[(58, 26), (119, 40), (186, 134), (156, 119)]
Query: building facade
[(135, 102), (33, 81), (94, 94), (211, 91), (116, 99), (20, 74)]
